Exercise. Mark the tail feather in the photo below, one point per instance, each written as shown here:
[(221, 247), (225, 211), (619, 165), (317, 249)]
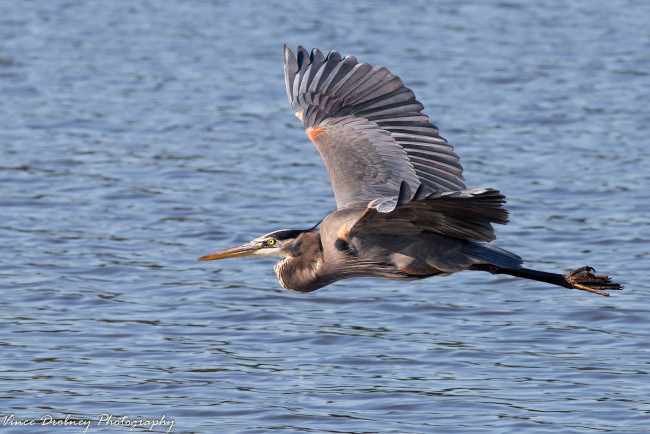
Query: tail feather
[(492, 254), (583, 278)]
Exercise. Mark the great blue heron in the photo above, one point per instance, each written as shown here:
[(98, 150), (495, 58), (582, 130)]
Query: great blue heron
[(403, 212)]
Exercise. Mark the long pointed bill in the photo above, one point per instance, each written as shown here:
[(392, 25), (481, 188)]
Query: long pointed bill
[(246, 249)]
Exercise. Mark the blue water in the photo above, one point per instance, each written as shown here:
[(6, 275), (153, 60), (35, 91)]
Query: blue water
[(137, 136)]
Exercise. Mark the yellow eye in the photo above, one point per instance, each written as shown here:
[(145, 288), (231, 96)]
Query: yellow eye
[(270, 241)]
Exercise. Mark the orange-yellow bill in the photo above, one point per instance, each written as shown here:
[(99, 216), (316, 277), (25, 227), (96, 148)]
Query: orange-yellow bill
[(246, 249)]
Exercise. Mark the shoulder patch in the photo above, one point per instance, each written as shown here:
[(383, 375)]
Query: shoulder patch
[(313, 133)]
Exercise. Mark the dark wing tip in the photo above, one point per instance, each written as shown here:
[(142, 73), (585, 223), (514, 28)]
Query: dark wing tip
[(302, 55)]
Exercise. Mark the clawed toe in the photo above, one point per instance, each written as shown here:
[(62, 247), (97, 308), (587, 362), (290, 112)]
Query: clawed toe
[(584, 279), (586, 269)]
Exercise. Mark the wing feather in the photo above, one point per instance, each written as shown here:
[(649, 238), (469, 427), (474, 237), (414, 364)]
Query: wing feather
[(347, 98), (466, 214), (362, 160), (333, 61)]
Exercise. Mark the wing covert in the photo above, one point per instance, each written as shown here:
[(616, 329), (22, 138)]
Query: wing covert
[(363, 162)]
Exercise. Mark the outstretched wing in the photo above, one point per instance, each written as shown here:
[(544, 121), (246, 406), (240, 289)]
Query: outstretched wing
[(368, 128)]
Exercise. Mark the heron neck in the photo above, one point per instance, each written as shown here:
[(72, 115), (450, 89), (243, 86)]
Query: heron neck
[(303, 272)]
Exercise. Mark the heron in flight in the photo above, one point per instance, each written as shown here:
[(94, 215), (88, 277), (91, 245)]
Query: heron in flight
[(403, 211)]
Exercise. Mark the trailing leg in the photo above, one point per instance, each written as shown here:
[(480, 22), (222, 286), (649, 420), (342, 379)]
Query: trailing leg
[(583, 278)]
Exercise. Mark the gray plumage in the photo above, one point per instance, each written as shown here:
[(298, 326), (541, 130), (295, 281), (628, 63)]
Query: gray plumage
[(375, 103), (403, 212)]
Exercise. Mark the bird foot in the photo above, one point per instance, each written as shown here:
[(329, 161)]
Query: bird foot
[(584, 279)]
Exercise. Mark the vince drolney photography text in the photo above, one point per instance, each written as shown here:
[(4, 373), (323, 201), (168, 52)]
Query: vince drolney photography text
[(102, 420)]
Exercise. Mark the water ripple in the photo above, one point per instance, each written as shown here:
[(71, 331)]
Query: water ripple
[(139, 136)]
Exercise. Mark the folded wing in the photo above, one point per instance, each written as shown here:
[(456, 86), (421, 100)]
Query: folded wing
[(466, 214)]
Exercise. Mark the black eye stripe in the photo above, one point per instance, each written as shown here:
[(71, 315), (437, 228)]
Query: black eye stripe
[(285, 234)]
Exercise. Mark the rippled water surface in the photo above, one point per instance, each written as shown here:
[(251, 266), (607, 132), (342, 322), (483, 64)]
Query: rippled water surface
[(137, 136)]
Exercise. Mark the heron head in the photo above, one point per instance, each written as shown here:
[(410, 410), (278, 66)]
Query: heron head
[(281, 243)]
